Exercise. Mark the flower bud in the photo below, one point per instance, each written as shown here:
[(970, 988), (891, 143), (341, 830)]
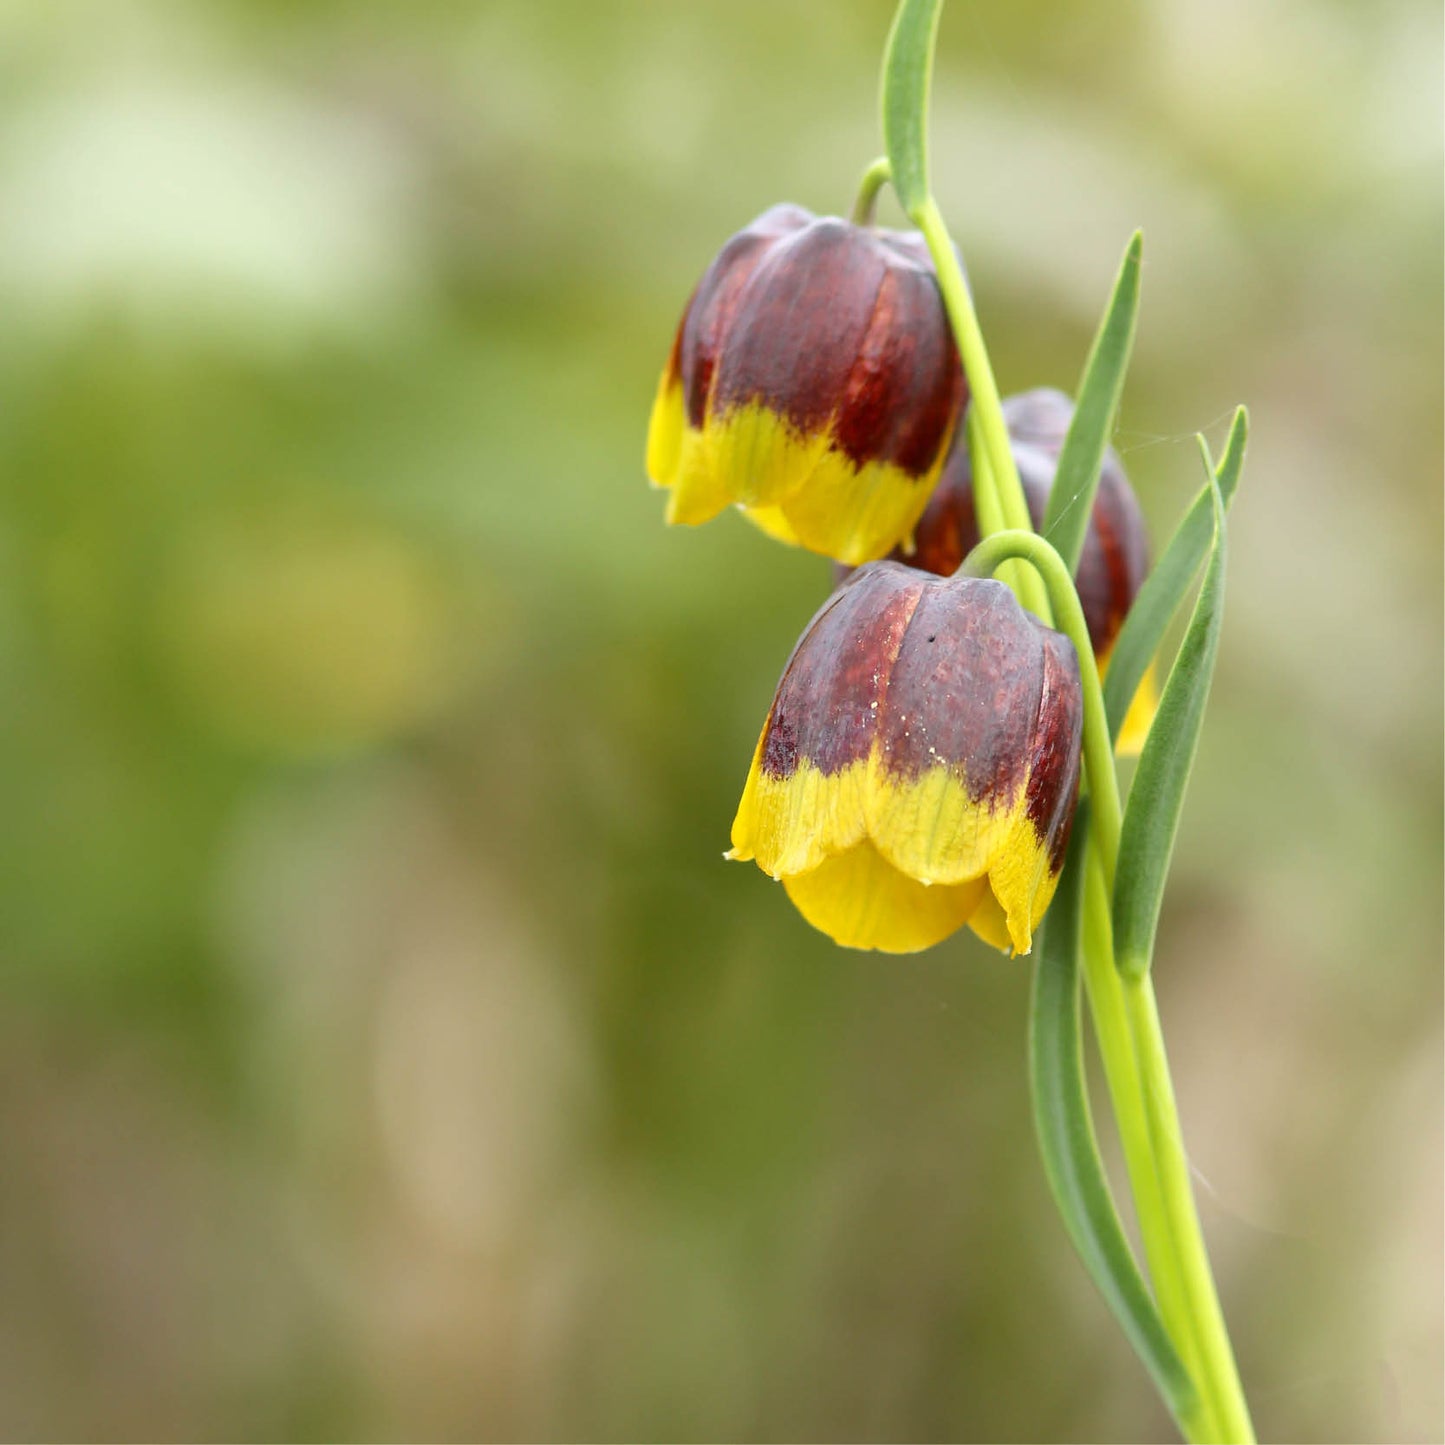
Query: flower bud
[(814, 382), (919, 766), (1115, 556)]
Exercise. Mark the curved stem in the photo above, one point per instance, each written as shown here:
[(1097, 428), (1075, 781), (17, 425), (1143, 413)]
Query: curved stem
[(1106, 813), (874, 179)]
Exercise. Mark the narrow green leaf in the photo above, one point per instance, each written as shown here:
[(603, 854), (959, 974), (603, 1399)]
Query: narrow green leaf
[(1165, 587), (1151, 819), (1071, 501), (1068, 1144), (907, 68), (1233, 463)]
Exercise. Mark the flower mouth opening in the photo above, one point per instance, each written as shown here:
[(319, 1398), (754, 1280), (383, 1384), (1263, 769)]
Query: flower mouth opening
[(860, 900)]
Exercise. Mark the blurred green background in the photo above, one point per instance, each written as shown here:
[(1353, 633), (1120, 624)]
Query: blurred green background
[(385, 1049)]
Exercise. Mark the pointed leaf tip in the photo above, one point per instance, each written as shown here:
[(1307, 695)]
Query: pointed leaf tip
[(1167, 585), (1076, 480), (1156, 801), (1232, 465)]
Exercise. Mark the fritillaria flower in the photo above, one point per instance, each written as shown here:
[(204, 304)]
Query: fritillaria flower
[(814, 382), (919, 766)]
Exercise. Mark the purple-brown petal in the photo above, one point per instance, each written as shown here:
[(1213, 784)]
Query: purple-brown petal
[(933, 672), (841, 328), (965, 689), (1054, 761), (906, 388), (1039, 417), (833, 687), (710, 312)]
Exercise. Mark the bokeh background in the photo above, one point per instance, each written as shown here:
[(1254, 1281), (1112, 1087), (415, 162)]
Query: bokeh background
[(385, 1049)]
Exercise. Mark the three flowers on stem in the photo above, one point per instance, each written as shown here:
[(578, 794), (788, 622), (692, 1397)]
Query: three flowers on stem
[(918, 770)]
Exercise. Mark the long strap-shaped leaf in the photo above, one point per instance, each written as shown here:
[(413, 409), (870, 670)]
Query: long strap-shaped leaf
[(1151, 819), (1164, 588), (907, 67), (1071, 502), (1067, 1142)]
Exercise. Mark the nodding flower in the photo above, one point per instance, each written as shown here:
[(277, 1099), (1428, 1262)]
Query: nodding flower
[(919, 766), (814, 383)]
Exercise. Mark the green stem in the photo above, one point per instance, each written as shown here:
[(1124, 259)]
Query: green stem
[(874, 179), (1019, 576), (1219, 1375), (1132, 1046), (1121, 1074), (988, 433), (987, 508), (1125, 1014), (983, 390)]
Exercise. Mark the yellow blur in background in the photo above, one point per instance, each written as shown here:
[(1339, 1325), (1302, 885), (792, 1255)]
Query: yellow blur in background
[(386, 1050)]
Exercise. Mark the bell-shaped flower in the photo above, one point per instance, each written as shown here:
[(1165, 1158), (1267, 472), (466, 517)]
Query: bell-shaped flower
[(1115, 556), (919, 767), (814, 382)]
